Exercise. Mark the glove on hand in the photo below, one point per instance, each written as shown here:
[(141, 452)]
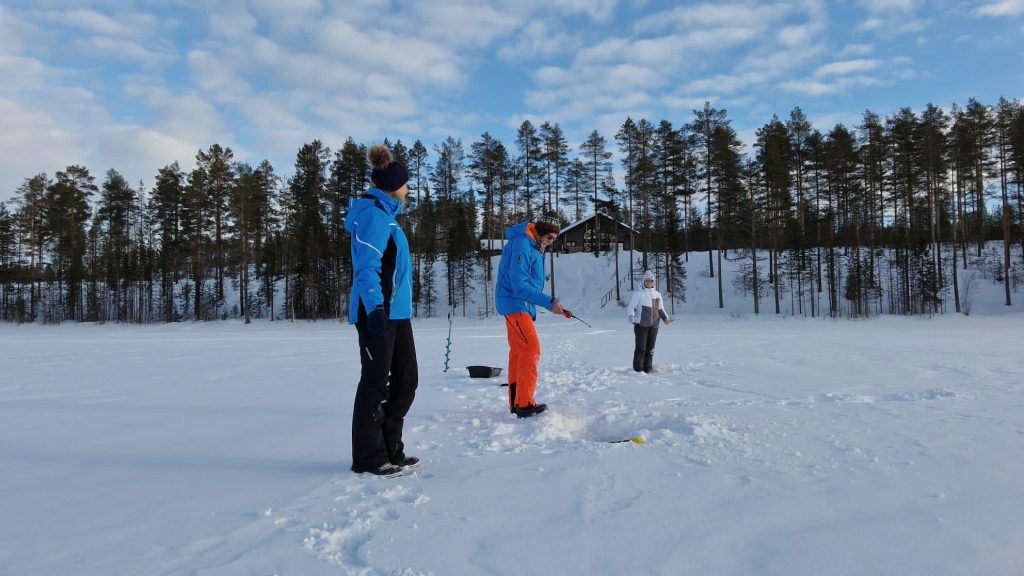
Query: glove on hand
[(377, 322), (566, 313)]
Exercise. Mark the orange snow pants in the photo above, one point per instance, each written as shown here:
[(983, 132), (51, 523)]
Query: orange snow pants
[(523, 358)]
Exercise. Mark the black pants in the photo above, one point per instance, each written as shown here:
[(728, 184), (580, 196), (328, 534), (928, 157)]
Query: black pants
[(643, 352), (387, 387)]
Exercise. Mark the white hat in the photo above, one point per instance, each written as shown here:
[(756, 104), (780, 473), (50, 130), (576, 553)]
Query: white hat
[(648, 275)]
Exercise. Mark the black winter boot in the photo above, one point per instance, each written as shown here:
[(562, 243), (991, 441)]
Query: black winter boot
[(527, 411), (386, 470), (408, 462)]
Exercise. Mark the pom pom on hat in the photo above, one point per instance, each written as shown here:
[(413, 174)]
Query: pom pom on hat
[(387, 174)]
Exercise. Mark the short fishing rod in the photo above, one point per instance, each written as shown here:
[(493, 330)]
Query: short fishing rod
[(568, 314)]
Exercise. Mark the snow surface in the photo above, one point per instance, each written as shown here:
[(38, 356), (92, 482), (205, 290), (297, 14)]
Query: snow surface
[(774, 446)]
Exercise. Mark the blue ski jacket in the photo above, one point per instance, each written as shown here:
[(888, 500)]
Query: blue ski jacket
[(381, 263), (521, 274)]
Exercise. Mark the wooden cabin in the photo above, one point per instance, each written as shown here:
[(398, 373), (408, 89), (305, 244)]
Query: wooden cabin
[(600, 228)]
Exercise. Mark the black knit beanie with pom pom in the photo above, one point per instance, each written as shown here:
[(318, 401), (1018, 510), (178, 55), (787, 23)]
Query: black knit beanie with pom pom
[(388, 175)]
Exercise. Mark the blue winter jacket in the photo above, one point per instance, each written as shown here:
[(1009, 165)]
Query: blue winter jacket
[(381, 264), (520, 275)]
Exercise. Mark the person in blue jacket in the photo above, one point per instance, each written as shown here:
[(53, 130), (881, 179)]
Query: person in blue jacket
[(381, 308), (518, 293)]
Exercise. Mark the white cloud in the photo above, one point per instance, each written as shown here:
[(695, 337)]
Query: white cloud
[(33, 141), (411, 61), (215, 76), (235, 25), (684, 103), (538, 39), (889, 18), (185, 116), (138, 152), (22, 74), (888, 6), (777, 62), (810, 87), (724, 83), (15, 33), (846, 67), (72, 126), (452, 22), (597, 10), (95, 22), (851, 50), (710, 15), (1001, 8), (797, 35), (118, 49), (893, 25)]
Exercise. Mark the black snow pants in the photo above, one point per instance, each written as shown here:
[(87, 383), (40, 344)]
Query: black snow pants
[(387, 387), (643, 352)]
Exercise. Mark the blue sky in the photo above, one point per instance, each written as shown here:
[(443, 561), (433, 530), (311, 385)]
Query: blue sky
[(135, 84)]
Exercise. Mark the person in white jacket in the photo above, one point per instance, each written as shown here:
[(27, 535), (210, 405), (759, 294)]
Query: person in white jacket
[(646, 311)]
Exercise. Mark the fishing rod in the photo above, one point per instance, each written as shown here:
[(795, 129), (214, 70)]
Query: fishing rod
[(568, 314)]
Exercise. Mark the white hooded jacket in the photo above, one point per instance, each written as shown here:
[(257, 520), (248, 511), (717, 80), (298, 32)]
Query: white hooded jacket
[(646, 307)]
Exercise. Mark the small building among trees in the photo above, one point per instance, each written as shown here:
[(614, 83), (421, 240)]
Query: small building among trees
[(600, 229)]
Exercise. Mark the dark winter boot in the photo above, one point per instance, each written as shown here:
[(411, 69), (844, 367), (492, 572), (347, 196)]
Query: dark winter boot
[(408, 462), (527, 411), (512, 397), (386, 470)]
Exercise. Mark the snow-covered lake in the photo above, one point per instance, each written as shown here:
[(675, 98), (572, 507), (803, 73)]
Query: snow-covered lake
[(773, 447)]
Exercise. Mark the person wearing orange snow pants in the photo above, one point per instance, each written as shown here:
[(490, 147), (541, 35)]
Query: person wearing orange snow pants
[(523, 357), (518, 293)]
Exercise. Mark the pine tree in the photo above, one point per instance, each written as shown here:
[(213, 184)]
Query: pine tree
[(445, 179), (595, 163), (421, 233), (195, 224), (627, 139), (775, 159), (799, 128), (243, 200), (977, 126), (114, 213), (1016, 138), (576, 187), (166, 206), (530, 165), (873, 160), (704, 128), (8, 261), (934, 157), (67, 211), (673, 178), (310, 290), (487, 163), (218, 180), (726, 163), (267, 234), (349, 177), (555, 155), (31, 222), (1004, 118), (843, 187)]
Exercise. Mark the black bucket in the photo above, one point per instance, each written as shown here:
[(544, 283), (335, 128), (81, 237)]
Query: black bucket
[(483, 371)]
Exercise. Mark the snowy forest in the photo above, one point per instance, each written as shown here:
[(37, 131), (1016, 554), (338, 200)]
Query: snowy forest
[(849, 221)]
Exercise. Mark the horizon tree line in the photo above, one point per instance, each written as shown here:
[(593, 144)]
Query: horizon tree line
[(854, 221)]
